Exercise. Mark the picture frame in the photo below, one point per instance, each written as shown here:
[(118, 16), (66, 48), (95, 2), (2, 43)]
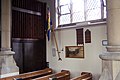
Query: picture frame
[(74, 51)]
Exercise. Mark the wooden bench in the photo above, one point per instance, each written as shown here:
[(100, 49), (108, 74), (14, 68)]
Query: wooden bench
[(63, 75), (30, 75), (83, 76)]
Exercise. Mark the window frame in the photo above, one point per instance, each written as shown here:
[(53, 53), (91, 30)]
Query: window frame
[(102, 19)]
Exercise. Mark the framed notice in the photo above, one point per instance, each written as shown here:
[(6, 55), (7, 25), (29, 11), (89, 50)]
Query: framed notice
[(87, 36), (79, 34), (74, 51)]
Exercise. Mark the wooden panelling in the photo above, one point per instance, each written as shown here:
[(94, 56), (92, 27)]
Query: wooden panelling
[(33, 5), (27, 26), (28, 34), (30, 55), (26, 23)]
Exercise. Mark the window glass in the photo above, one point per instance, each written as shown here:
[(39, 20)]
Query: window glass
[(65, 19), (93, 9), (105, 12), (65, 9), (104, 2), (72, 11), (63, 2), (93, 14), (78, 5), (78, 17), (78, 11)]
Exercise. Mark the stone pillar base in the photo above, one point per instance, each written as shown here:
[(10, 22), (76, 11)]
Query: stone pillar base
[(111, 65), (7, 64), (106, 75), (113, 48)]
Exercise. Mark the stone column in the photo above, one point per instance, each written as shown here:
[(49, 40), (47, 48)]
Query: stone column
[(112, 56), (113, 24), (7, 64)]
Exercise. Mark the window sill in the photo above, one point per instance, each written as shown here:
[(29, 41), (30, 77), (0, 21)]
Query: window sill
[(81, 25)]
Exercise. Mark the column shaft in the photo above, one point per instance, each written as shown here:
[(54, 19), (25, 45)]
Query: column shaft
[(6, 23)]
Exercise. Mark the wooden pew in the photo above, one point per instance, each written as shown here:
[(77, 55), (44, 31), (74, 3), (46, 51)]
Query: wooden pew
[(83, 76), (30, 75), (63, 75)]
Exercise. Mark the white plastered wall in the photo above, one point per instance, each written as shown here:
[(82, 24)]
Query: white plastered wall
[(91, 61), (67, 37)]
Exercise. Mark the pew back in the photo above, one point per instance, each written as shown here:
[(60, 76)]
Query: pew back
[(63, 75), (30, 75), (83, 76)]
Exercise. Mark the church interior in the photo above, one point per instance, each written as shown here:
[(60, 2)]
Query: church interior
[(59, 40)]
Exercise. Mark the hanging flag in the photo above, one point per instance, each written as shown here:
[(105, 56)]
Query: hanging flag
[(48, 24)]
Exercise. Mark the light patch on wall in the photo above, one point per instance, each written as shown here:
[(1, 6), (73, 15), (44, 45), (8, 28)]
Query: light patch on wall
[(104, 42)]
